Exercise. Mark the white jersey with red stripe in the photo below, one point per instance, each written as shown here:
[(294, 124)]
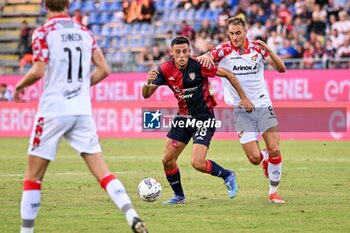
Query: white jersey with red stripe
[(66, 46), (247, 65)]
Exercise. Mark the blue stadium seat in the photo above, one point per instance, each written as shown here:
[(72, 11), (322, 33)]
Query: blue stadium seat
[(182, 15), (208, 14), (104, 6), (117, 31), (106, 17), (174, 16), (160, 5), (136, 28), (88, 6), (190, 15), (199, 16), (146, 42), (96, 29), (105, 43), (163, 28), (75, 5), (123, 43), (170, 4), (116, 6), (212, 15), (134, 43), (146, 29), (127, 29), (115, 42), (94, 18), (119, 56), (106, 30)]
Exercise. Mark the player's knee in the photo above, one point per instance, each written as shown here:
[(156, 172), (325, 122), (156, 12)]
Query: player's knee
[(274, 151), (254, 159), (168, 163), (199, 165)]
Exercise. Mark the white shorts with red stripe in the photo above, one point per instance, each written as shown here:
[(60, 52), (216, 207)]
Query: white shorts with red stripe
[(79, 131)]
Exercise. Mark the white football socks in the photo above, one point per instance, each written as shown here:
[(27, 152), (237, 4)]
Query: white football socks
[(275, 173), (117, 192), (30, 205)]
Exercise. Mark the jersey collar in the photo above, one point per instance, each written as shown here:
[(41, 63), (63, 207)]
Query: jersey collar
[(59, 17)]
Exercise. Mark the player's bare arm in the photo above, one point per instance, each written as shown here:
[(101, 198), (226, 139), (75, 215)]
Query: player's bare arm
[(273, 59), (148, 89), (101, 70), (35, 73), (245, 102)]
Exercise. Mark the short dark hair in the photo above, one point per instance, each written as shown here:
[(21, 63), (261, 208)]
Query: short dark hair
[(56, 5), (180, 40), (236, 21)]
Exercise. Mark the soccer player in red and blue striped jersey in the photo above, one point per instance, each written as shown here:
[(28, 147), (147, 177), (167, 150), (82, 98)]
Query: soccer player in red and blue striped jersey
[(188, 79)]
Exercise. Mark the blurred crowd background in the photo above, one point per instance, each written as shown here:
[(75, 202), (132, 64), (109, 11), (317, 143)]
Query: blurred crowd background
[(135, 35)]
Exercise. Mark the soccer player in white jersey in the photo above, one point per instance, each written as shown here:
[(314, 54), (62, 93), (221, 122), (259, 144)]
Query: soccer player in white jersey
[(246, 60), (63, 51)]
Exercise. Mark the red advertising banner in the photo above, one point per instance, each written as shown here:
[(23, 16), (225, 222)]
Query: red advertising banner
[(294, 85), (125, 120)]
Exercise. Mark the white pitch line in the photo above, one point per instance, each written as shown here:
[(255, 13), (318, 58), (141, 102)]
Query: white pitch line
[(66, 173)]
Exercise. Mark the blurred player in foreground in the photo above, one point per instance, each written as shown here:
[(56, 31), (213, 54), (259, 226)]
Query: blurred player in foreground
[(189, 82), (246, 60), (65, 49)]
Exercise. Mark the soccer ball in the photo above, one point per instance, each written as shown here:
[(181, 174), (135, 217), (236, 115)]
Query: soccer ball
[(149, 190)]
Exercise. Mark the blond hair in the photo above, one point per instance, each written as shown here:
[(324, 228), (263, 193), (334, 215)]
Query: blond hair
[(236, 21)]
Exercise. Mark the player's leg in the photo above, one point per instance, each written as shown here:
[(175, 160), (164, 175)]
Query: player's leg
[(172, 151), (114, 188), (201, 141), (31, 195), (248, 133), (200, 163), (252, 150), (83, 138), (271, 137), (45, 137)]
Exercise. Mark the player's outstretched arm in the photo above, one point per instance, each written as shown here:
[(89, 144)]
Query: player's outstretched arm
[(273, 59), (245, 102), (148, 89), (101, 70), (35, 73)]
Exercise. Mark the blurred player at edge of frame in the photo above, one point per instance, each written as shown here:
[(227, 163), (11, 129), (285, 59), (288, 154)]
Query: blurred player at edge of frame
[(188, 79), (246, 60), (65, 49)]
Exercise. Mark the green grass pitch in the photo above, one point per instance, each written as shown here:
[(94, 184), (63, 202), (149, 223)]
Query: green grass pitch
[(315, 185)]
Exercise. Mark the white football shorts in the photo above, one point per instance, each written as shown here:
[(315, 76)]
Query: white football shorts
[(248, 125), (79, 131)]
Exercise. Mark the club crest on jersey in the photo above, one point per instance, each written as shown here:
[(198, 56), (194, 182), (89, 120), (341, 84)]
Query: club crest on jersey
[(254, 57), (192, 75)]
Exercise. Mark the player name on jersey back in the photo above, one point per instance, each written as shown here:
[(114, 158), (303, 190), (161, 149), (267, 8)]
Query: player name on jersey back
[(66, 46)]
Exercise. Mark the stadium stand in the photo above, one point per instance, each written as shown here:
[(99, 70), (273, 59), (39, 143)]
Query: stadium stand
[(13, 14), (274, 21)]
